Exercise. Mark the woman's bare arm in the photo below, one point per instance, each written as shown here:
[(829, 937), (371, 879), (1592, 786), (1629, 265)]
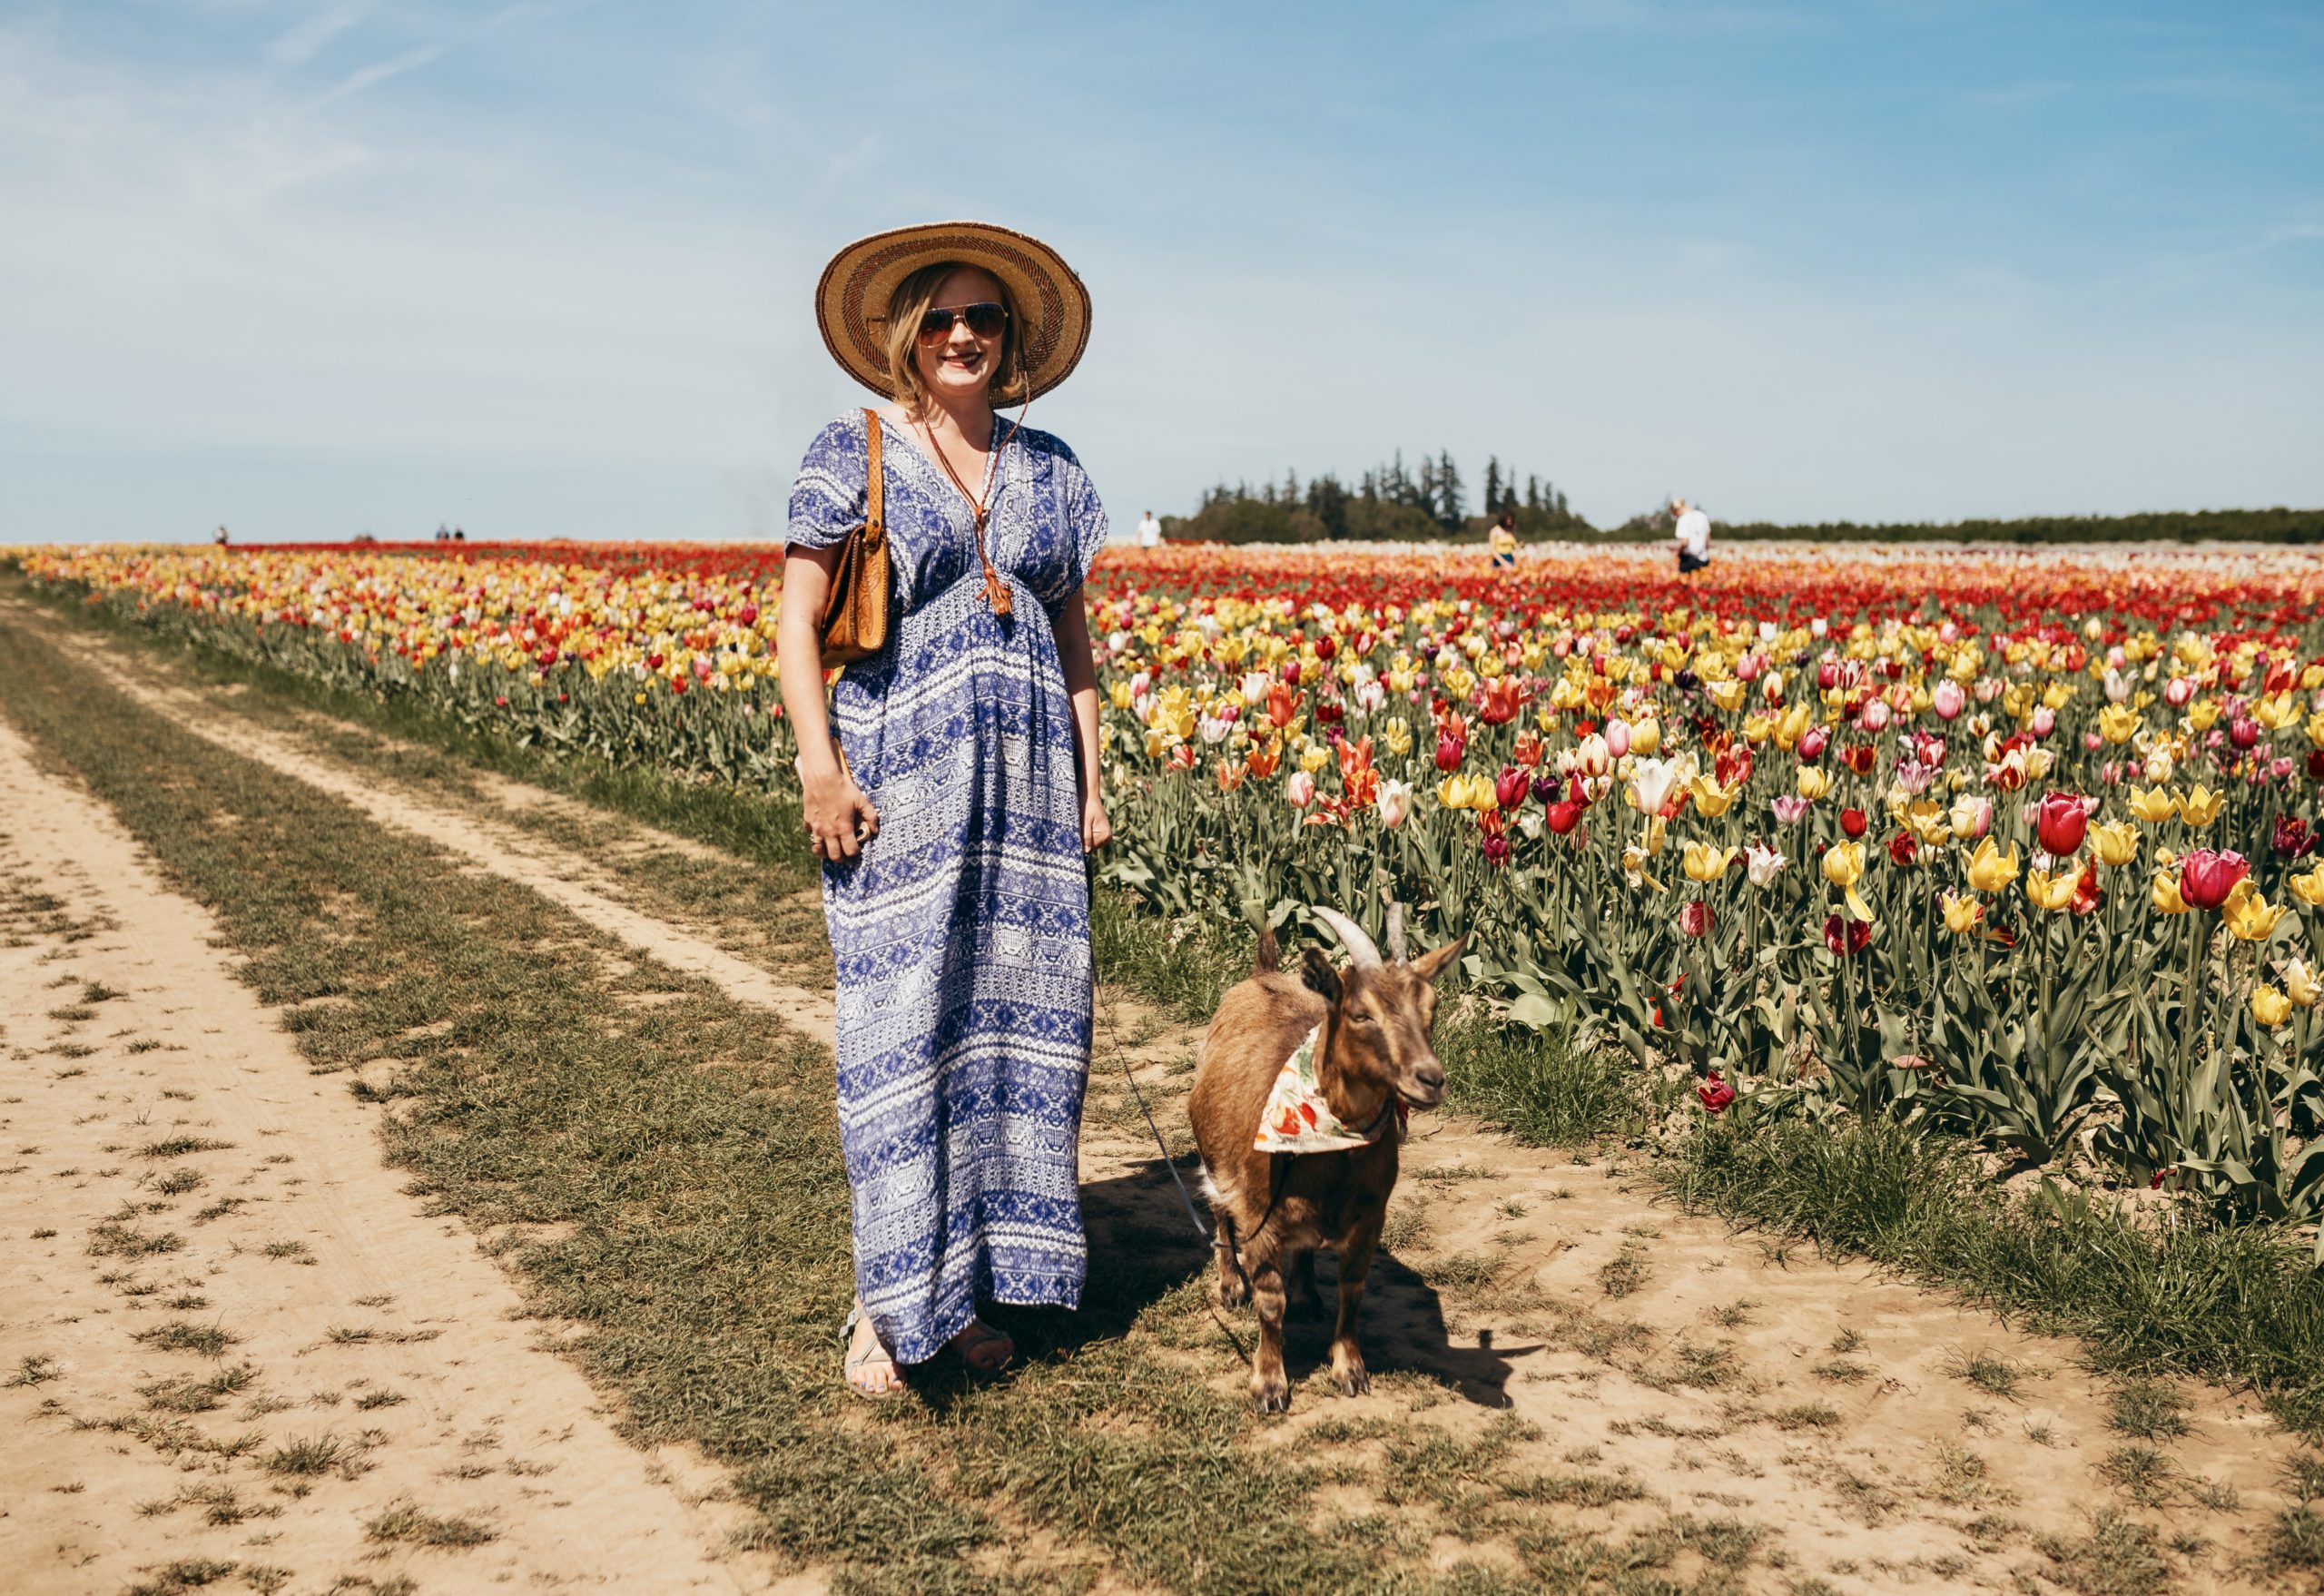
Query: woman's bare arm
[(839, 816), (1074, 659)]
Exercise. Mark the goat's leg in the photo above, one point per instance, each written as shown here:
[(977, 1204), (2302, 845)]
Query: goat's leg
[(1231, 1291), (1355, 1266), (1269, 1389), (1306, 1302)]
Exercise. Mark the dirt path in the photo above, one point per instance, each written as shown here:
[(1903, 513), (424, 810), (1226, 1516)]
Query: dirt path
[(231, 1339), (1859, 1434)]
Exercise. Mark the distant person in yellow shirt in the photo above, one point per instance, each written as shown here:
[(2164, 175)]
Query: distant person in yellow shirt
[(1503, 538)]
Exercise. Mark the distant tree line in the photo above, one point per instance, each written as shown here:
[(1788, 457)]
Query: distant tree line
[(1389, 503), (1393, 503)]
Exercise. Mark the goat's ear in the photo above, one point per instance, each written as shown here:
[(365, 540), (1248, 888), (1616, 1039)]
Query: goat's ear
[(1431, 964), (1317, 974)]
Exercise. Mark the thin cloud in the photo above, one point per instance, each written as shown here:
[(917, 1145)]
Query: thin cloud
[(303, 41), (377, 72)]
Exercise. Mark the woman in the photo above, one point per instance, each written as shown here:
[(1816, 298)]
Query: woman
[(953, 787), (1503, 538)]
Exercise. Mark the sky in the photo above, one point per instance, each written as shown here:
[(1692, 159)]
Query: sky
[(312, 270)]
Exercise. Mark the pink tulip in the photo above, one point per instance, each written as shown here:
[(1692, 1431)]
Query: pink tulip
[(1875, 715), (1948, 700), (1618, 737), (2206, 878), (2243, 732), (1395, 802), (1790, 810), (1813, 742), (2177, 692), (2045, 720), (1300, 789)]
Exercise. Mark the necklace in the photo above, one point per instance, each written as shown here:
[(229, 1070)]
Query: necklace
[(996, 591)]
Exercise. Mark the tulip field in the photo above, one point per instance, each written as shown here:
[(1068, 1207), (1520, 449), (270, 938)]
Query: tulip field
[(2022, 849)]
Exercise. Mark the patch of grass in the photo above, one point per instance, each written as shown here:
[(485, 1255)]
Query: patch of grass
[(1997, 1376), (2119, 1557), (113, 1238), (178, 1181), (178, 1147), (308, 1454), (2140, 1472), (2149, 1409), (2303, 1476), (197, 1397), (1625, 1272), (1807, 1415), (2295, 1539), (289, 1249), (210, 1340), (35, 1369), (406, 1523), (2230, 1303), (190, 1573)]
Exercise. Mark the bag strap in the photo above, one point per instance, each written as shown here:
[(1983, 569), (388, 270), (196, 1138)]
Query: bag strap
[(875, 522)]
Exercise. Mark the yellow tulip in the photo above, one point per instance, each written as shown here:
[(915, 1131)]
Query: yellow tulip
[(1707, 861), (2118, 723), (2247, 915), (2300, 984), (1928, 821), (1991, 870), (2270, 1007), (1960, 914), (2310, 888), (2165, 896), (1711, 799), (1812, 783), (2153, 804), (1791, 725), (2201, 806), (1316, 757), (1728, 696), (1844, 867), (2045, 891), (2203, 714), (1634, 862), (2315, 728), (1646, 737), (2116, 843), (1398, 736)]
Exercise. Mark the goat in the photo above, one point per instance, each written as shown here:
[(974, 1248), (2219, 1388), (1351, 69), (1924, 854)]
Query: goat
[(1271, 1210)]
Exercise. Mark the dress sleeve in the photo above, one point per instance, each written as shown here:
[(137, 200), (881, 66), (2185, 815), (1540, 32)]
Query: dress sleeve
[(828, 496), (1085, 515)]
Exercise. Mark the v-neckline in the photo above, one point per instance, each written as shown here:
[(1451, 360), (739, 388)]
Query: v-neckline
[(936, 467)]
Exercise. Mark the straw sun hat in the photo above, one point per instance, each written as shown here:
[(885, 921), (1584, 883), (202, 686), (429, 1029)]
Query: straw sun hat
[(1052, 307)]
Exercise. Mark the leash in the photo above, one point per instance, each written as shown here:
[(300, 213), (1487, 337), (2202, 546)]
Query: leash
[(1241, 1352)]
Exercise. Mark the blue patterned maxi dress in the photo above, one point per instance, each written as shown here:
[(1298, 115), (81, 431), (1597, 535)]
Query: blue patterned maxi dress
[(961, 933)]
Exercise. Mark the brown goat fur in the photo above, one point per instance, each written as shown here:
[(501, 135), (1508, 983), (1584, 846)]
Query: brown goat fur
[(1375, 1050)]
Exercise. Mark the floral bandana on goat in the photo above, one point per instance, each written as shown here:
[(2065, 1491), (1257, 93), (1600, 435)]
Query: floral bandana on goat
[(1299, 1119)]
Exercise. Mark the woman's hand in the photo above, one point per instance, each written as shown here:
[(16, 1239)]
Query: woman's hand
[(1096, 826), (839, 818)]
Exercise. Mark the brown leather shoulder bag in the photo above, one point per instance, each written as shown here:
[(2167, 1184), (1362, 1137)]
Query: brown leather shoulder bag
[(855, 622)]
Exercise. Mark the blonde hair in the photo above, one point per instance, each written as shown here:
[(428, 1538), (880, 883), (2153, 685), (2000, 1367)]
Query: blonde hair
[(910, 301)]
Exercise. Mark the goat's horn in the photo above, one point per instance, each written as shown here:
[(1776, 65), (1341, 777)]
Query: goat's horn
[(1396, 933), (1360, 947)]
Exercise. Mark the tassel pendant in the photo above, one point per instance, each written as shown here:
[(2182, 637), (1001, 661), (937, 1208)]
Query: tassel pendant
[(996, 591)]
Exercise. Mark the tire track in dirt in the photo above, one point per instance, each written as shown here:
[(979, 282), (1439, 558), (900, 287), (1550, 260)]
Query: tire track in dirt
[(1877, 1433), (176, 1177)]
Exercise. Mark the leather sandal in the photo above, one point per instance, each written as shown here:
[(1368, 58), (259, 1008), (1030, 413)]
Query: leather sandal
[(858, 1367), (975, 1344)]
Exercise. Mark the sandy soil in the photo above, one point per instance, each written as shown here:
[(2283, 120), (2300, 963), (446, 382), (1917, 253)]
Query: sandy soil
[(382, 1339), (1883, 1435)]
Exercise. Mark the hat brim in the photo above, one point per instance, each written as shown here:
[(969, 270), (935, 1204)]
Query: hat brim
[(1052, 307)]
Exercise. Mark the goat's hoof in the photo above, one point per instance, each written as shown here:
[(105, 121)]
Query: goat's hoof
[(1271, 1396), (1356, 1382), (1233, 1295)]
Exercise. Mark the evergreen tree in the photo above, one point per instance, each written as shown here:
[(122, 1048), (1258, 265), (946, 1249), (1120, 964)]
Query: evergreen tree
[(1492, 485), (1451, 509)]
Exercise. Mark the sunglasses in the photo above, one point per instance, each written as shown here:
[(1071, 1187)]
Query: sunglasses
[(985, 321)]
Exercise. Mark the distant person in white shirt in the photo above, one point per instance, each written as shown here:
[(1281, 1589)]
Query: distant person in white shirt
[(1149, 531), (1692, 535)]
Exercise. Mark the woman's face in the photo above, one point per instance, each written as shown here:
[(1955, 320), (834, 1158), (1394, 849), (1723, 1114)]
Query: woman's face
[(957, 364)]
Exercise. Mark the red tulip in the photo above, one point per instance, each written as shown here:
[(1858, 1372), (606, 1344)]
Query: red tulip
[(2061, 823), (1694, 918), (1496, 848), (1510, 788), (1812, 743), (1449, 752), (1903, 849), (2206, 878), (1564, 816), (2243, 731), (1853, 822), (2291, 837), (1715, 1093), (1847, 937)]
